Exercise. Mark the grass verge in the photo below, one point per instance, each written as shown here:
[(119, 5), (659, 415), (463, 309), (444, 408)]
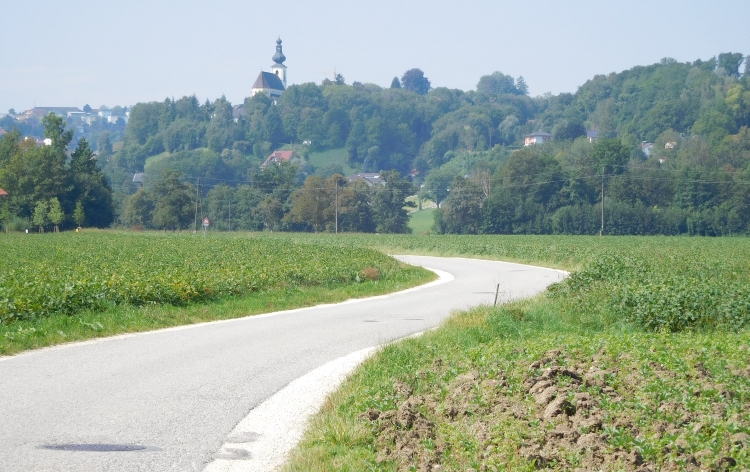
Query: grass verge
[(23, 335)]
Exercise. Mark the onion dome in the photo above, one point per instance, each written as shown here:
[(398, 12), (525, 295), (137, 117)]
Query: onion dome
[(279, 57)]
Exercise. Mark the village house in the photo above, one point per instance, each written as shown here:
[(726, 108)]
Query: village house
[(40, 112), (646, 148), (371, 178), (277, 157), (537, 137)]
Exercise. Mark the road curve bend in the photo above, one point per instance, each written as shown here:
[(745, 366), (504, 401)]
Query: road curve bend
[(180, 392)]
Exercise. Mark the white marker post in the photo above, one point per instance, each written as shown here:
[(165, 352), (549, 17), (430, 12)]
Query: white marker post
[(206, 224)]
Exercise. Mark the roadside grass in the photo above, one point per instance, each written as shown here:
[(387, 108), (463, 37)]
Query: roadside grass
[(421, 221), (576, 378)]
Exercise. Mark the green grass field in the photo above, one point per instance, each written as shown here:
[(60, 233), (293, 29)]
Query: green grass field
[(332, 156), (639, 361), (421, 221)]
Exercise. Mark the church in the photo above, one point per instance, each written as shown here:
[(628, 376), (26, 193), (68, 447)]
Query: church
[(273, 83)]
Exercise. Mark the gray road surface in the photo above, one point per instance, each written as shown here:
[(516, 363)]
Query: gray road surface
[(181, 391)]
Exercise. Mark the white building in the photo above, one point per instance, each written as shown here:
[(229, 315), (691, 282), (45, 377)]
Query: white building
[(537, 137), (273, 83)]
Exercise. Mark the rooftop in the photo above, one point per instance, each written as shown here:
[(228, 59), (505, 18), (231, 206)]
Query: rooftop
[(268, 80)]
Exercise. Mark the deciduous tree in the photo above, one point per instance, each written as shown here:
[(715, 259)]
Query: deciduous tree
[(56, 214), (388, 205), (414, 80)]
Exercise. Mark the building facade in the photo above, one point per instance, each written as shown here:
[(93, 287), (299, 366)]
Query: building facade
[(273, 83)]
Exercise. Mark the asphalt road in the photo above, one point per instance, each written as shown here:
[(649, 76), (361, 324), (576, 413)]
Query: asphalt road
[(181, 391)]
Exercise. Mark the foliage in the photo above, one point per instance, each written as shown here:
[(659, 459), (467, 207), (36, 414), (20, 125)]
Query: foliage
[(79, 214), (388, 210), (41, 212), (415, 81), (55, 215), (32, 174), (73, 272)]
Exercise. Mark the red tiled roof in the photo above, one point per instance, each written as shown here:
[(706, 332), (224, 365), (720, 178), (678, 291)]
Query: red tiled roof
[(3, 192), (279, 156)]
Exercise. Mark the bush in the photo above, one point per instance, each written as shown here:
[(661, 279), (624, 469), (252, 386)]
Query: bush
[(16, 223)]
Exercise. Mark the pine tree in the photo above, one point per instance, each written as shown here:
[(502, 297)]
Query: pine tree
[(521, 86)]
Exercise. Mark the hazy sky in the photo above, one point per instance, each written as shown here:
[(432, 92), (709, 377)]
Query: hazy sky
[(71, 53)]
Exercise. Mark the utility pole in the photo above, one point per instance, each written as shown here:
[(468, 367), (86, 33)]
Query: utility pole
[(601, 232), (337, 207), (230, 214), (197, 191)]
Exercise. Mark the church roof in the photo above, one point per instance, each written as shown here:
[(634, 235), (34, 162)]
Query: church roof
[(268, 80)]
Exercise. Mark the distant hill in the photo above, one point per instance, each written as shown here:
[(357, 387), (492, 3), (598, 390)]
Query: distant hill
[(684, 118)]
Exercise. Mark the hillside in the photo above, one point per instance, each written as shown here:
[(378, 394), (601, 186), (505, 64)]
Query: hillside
[(672, 151)]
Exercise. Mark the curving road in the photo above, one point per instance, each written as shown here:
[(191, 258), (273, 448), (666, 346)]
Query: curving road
[(181, 391)]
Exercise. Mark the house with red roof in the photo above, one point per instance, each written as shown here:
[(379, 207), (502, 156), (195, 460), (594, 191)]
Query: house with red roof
[(278, 157)]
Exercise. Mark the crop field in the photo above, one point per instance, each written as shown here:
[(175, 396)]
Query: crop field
[(61, 287), (68, 273), (638, 361)]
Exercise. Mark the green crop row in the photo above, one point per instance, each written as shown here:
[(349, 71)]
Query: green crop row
[(67, 273)]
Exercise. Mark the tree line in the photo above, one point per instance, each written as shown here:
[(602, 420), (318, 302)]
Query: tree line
[(49, 186), (684, 187), (274, 202)]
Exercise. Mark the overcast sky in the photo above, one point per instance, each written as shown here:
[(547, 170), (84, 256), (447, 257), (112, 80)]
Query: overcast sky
[(71, 53)]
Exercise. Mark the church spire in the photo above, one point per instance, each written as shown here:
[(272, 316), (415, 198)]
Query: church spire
[(279, 57)]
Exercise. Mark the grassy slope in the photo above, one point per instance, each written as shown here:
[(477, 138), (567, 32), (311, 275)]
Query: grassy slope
[(464, 396), (332, 156)]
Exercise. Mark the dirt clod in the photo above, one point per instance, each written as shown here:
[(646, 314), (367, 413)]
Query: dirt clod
[(567, 411)]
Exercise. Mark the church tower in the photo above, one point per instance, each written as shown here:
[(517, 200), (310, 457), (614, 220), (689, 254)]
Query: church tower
[(273, 83), (278, 67)]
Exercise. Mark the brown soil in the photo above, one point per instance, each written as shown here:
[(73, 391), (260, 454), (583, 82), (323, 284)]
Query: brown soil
[(568, 413)]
